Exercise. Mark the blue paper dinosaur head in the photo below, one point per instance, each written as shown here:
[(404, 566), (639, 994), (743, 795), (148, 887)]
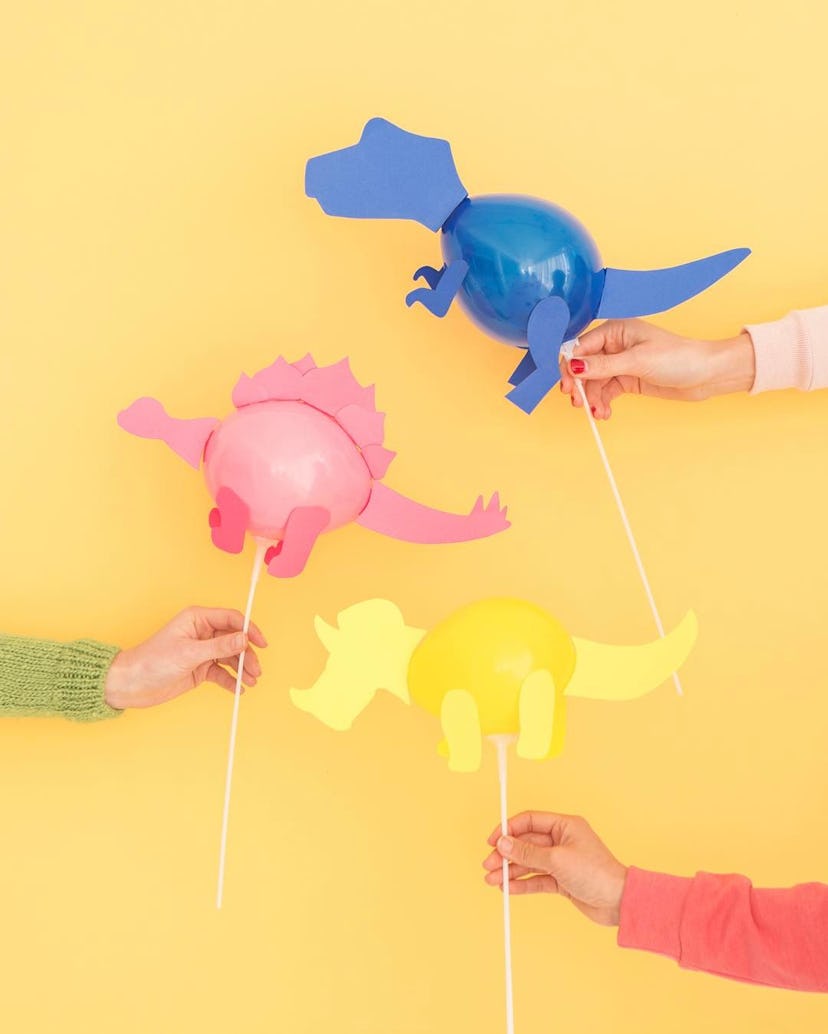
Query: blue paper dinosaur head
[(389, 174)]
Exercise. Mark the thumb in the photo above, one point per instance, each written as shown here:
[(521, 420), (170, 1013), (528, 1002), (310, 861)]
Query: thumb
[(527, 854), (203, 650), (602, 367)]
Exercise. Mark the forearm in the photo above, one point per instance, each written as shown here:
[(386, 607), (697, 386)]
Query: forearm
[(723, 925), (41, 677)]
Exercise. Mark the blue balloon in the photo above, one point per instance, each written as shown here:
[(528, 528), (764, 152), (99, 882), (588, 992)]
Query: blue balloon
[(521, 250)]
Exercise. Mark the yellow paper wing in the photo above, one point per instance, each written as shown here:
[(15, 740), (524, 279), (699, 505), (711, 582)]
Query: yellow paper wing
[(604, 672)]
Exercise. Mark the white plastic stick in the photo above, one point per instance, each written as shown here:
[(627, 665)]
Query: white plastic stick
[(624, 519), (502, 745), (234, 723)]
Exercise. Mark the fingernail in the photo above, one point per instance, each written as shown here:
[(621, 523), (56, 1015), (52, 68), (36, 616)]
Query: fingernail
[(572, 400), (504, 846), (593, 410), (577, 365), (239, 641)]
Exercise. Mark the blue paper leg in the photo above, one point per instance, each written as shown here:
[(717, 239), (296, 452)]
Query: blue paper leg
[(523, 368), (438, 299), (545, 333), (431, 275)]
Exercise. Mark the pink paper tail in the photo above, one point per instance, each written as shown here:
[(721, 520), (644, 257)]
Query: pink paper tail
[(304, 526), (147, 418), (401, 518)]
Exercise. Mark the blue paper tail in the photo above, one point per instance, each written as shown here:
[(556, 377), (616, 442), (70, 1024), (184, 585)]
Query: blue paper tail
[(630, 292)]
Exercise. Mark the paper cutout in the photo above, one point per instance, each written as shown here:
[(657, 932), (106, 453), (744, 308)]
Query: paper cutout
[(147, 418), (461, 726), (629, 292), (519, 251), (302, 454), (517, 660), (402, 518), (287, 559), (627, 672), (369, 651), (545, 332), (229, 521), (389, 174), (537, 715), (429, 274), (438, 297)]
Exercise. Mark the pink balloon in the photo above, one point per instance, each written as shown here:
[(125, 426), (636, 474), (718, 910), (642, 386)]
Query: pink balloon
[(280, 455)]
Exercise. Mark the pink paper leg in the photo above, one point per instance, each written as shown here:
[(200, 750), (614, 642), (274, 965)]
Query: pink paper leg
[(303, 528), (229, 521)]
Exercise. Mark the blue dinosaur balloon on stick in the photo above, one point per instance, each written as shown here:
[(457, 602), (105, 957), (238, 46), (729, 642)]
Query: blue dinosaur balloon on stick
[(526, 271)]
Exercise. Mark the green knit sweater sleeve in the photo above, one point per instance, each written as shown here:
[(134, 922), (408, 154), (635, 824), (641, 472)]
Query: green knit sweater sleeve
[(40, 677)]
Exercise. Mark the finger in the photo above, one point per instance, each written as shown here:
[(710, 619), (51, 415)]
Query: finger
[(252, 668), (495, 859), (201, 650), (593, 390), (609, 393), (543, 884), (218, 619), (522, 852), (256, 636), (550, 823), (611, 336), (231, 664), (217, 674), (604, 366), (495, 878)]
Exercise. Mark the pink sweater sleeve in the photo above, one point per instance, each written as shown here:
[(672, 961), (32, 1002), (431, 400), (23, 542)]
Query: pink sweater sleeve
[(792, 352), (723, 925)]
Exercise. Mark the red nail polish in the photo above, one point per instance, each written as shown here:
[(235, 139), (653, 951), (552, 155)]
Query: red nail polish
[(593, 410), (577, 365)]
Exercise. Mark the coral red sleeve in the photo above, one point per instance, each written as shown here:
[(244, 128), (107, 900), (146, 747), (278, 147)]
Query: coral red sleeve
[(791, 352), (724, 925)]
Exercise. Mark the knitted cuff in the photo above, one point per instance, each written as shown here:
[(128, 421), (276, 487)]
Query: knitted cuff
[(79, 693), (40, 677)]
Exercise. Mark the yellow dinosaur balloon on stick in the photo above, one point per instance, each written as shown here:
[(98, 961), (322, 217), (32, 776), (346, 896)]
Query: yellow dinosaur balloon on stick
[(498, 667), (501, 669)]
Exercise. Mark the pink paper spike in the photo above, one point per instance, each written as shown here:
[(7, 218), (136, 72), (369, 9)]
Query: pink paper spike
[(363, 425), (378, 460)]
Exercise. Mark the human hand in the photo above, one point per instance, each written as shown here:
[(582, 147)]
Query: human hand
[(559, 854), (633, 357), (199, 645)]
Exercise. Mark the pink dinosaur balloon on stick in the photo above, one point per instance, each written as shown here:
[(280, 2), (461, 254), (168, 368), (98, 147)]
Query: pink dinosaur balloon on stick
[(302, 454)]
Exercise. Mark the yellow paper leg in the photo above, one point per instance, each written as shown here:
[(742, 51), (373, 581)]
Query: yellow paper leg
[(537, 715), (461, 726)]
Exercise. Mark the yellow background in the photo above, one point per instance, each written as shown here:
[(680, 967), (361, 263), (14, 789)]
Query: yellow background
[(154, 239)]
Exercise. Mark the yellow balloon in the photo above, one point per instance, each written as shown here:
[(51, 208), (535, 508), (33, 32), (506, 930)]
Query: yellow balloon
[(488, 649)]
